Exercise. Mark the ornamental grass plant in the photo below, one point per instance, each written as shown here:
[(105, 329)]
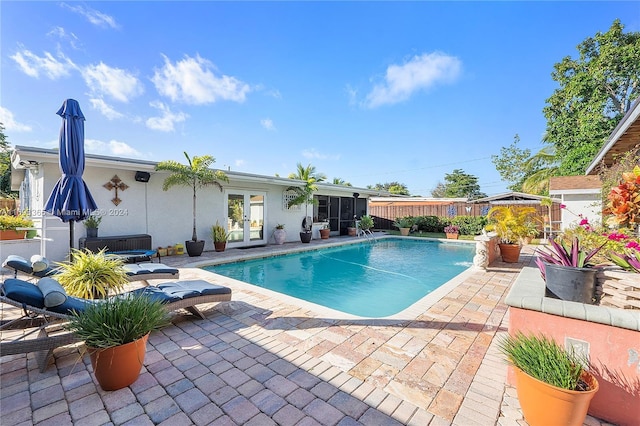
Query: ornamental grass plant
[(92, 275), (118, 320), (544, 359)]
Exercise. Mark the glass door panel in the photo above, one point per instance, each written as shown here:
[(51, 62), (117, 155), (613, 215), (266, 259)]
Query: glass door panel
[(246, 218), (256, 216), (235, 215)]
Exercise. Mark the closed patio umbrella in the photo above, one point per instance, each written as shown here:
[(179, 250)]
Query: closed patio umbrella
[(70, 199)]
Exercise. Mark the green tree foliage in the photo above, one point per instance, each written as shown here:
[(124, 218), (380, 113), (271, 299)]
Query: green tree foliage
[(510, 164), (595, 91), (439, 191), (307, 173), (459, 184), (304, 195), (540, 167), (392, 187), (340, 181), (5, 166)]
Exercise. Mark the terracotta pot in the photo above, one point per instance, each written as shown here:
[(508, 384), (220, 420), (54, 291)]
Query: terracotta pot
[(118, 367), (404, 231), (12, 234), (543, 404), (324, 233), (510, 252), (220, 246), (351, 231), (451, 236)]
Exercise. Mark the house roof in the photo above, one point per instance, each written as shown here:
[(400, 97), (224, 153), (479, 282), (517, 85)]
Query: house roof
[(559, 183), (511, 198), (24, 157), (413, 201), (624, 137)]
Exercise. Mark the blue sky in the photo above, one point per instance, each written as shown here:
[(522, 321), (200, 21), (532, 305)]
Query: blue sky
[(369, 92)]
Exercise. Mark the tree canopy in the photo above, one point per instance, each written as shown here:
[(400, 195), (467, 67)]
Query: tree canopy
[(595, 91), (5, 165), (511, 164), (459, 184), (392, 187)]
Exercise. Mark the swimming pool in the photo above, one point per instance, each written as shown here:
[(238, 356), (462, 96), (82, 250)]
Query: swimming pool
[(372, 279)]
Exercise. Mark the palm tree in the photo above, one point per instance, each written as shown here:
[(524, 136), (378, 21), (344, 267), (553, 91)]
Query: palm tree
[(196, 174), (340, 181), (544, 165), (304, 195)]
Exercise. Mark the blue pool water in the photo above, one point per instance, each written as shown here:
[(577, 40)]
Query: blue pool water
[(373, 279)]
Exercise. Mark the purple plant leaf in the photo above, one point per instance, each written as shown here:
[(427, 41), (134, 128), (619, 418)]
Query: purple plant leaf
[(562, 254), (541, 267), (575, 252)]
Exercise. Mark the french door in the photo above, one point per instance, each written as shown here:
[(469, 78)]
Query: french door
[(245, 218)]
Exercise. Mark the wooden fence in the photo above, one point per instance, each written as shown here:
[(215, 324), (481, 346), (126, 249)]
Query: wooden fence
[(384, 216)]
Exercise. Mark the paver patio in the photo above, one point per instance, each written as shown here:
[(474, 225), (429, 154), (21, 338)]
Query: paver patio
[(264, 359)]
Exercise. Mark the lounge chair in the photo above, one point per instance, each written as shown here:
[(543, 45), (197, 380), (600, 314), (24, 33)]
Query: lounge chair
[(47, 305), (39, 268)]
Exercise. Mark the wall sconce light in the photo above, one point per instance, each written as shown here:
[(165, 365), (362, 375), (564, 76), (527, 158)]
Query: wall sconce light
[(31, 165)]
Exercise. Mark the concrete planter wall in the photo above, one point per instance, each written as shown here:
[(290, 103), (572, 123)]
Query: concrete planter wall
[(609, 336)]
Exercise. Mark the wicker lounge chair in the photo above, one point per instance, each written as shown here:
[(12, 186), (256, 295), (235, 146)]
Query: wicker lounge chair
[(46, 323), (135, 271)]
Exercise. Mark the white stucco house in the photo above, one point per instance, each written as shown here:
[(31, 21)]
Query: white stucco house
[(131, 201)]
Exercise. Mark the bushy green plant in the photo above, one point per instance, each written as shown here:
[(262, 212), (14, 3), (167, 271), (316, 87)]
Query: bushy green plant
[(404, 222), (118, 320), (469, 225), (429, 223), (92, 222), (11, 222), (92, 275), (598, 236), (219, 234), (544, 359), (366, 222)]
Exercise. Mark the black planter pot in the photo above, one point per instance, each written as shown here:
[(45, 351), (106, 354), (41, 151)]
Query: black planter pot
[(570, 283), (92, 232), (194, 248), (305, 236)]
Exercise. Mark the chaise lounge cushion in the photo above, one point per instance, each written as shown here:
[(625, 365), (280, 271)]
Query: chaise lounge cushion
[(39, 263), (193, 288), (149, 268), (21, 264), (52, 291)]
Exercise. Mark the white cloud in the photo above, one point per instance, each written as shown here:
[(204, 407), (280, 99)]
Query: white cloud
[(267, 123), (315, 154), (63, 35), (193, 81), (32, 64), (165, 123), (239, 163), (105, 109), (95, 17), (111, 148), (115, 82), (9, 123), (419, 73)]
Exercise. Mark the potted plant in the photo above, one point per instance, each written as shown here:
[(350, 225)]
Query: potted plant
[(509, 223), (552, 384), (452, 232), (9, 226), (92, 275), (92, 223), (304, 195), (279, 234), (568, 272), (220, 237), (196, 174), (404, 224), (325, 231), (366, 223), (115, 333)]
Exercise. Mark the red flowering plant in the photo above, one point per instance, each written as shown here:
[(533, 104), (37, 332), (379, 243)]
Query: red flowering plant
[(624, 201)]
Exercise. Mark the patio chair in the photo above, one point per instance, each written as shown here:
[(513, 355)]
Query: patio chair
[(38, 267), (46, 307)]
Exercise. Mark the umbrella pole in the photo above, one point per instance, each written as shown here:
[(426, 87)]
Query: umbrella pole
[(71, 238)]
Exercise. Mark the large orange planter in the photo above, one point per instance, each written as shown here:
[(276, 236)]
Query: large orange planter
[(12, 234), (118, 367), (546, 405), (510, 252)]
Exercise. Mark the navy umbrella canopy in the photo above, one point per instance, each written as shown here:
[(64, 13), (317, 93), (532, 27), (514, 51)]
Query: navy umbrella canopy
[(70, 199)]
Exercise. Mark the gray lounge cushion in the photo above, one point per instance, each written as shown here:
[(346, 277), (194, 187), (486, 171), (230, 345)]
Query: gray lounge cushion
[(52, 291), (39, 263)]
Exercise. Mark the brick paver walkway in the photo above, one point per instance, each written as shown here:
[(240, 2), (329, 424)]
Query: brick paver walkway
[(263, 360)]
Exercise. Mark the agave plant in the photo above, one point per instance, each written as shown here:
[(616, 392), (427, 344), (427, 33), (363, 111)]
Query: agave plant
[(563, 254)]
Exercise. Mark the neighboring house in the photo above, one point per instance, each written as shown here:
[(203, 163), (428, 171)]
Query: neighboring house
[(581, 196), (131, 201)]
